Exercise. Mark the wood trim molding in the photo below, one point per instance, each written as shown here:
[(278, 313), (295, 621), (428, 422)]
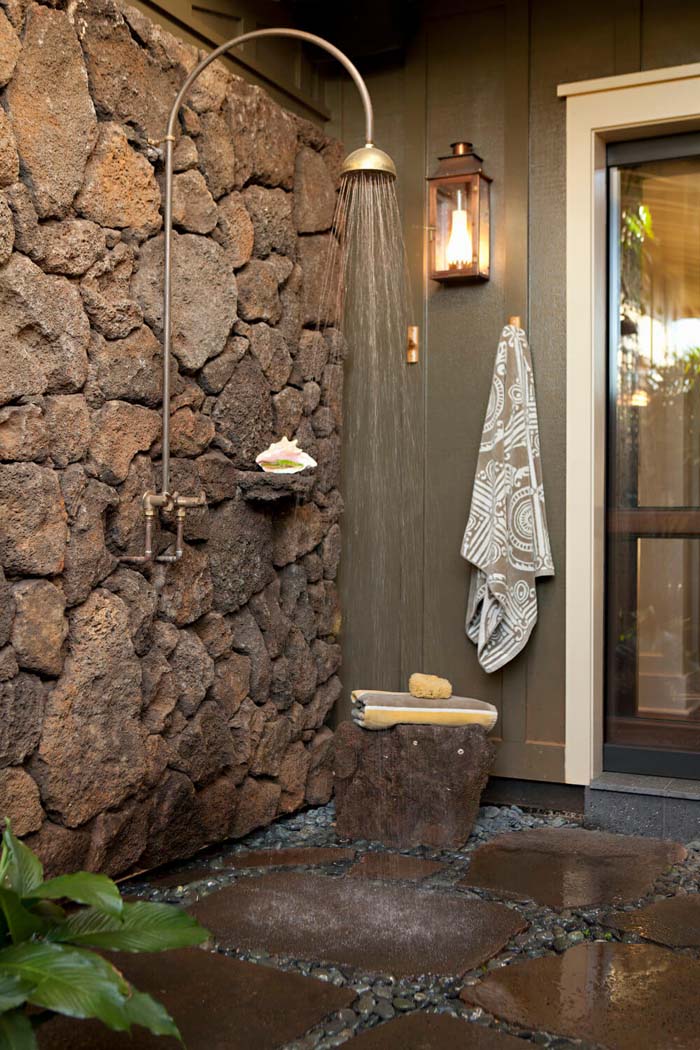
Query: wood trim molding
[(629, 80), (658, 101)]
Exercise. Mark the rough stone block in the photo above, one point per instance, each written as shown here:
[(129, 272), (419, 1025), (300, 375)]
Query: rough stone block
[(265, 137), (19, 800), (243, 413), (217, 154), (194, 207), (22, 433), (40, 626), (51, 110), (258, 292), (106, 294), (271, 214), (9, 158), (44, 333), (126, 83), (71, 247), (92, 754), (410, 785), (33, 529), (21, 714), (204, 295), (119, 431), (314, 193), (120, 189)]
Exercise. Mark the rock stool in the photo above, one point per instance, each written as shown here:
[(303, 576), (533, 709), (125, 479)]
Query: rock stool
[(410, 785)]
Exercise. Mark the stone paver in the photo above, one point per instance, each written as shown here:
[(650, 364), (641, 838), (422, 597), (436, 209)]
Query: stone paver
[(302, 856), (290, 858), (621, 996), (674, 922), (381, 999), (571, 868), (180, 877), (372, 925), (424, 1031), (218, 1004), (394, 866)]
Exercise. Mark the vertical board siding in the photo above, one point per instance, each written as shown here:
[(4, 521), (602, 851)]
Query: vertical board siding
[(464, 100), (485, 70)]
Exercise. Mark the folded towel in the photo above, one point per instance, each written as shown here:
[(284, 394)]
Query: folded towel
[(506, 538), (373, 709), (428, 686)]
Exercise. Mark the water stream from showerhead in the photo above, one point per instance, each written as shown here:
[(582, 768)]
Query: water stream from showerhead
[(371, 279)]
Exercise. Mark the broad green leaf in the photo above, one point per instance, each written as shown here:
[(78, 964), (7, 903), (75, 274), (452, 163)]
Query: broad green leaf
[(85, 888), (20, 921), (81, 926), (13, 992), (22, 870), (16, 1032), (47, 910), (148, 1012), (69, 981), (145, 927)]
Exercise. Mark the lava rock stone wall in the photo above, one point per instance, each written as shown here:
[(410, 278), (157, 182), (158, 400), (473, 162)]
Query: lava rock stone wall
[(145, 712)]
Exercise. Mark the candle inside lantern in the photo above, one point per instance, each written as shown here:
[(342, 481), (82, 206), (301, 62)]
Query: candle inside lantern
[(459, 246)]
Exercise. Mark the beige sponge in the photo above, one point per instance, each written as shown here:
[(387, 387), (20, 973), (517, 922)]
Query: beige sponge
[(429, 687)]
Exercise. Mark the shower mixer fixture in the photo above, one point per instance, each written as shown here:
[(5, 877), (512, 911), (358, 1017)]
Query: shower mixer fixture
[(367, 160)]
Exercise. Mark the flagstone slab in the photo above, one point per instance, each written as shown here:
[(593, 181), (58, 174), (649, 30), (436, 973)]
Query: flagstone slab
[(291, 857), (218, 1004), (304, 856), (674, 922), (378, 927), (621, 996), (183, 877), (424, 1031), (570, 867), (394, 866)]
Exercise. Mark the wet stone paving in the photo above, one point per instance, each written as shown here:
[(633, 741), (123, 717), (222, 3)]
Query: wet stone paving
[(613, 936)]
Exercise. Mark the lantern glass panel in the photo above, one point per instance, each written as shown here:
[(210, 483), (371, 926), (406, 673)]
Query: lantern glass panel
[(484, 229), (454, 248)]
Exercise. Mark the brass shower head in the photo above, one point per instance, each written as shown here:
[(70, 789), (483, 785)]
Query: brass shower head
[(368, 159)]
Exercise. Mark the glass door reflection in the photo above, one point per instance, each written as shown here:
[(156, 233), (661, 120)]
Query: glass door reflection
[(653, 490)]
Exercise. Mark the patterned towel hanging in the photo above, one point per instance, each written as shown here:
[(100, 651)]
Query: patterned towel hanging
[(506, 538)]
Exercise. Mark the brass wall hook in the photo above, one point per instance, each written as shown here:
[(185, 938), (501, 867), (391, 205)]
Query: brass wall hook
[(412, 344)]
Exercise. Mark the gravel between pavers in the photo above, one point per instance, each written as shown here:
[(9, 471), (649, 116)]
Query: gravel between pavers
[(379, 998)]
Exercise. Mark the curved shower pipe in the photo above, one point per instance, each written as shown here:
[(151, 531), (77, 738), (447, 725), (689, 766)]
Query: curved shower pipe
[(368, 158)]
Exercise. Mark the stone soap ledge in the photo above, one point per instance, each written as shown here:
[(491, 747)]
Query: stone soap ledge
[(259, 487)]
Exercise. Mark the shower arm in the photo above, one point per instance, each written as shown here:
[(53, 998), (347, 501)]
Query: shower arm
[(153, 502)]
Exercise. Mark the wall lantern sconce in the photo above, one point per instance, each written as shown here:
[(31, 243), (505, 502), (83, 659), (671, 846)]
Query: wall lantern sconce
[(459, 217)]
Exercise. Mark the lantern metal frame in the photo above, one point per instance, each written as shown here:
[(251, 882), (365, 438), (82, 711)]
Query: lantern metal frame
[(462, 167)]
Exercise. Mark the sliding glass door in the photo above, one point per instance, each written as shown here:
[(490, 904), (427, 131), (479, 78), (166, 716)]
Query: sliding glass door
[(653, 485)]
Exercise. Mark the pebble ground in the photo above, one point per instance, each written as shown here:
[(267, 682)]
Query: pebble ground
[(381, 997)]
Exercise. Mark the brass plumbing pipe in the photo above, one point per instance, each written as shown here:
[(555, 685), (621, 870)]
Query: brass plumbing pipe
[(367, 159)]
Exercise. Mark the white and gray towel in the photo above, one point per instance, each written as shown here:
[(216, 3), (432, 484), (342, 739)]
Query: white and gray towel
[(506, 538)]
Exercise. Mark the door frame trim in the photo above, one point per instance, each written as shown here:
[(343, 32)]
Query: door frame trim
[(631, 106)]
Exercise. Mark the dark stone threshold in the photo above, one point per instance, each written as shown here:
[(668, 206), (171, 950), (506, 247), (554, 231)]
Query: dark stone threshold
[(259, 487), (533, 794), (632, 813), (637, 784)]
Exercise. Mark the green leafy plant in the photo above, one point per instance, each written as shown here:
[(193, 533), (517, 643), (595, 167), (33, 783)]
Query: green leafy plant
[(46, 965)]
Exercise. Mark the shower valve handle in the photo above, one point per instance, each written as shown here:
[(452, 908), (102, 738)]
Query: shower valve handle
[(168, 501), (189, 501)]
